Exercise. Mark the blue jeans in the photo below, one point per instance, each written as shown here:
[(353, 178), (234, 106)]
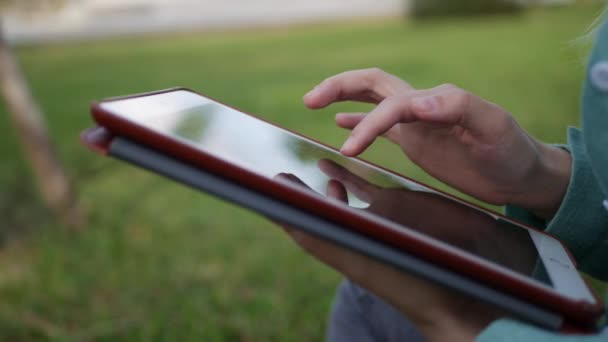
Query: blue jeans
[(359, 316)]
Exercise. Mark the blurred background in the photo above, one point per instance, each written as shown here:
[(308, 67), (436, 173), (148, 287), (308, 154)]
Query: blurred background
[(94, 249)]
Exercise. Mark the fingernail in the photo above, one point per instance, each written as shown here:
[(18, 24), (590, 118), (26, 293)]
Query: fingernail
[(424, 104), (310, 93)]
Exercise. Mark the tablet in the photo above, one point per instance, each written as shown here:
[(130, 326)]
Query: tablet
[(384, 207)]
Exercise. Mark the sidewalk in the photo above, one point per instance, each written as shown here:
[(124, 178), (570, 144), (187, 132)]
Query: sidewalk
[(101, 18)]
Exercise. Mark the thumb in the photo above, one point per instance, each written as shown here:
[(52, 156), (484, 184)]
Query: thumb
[(337, 191)]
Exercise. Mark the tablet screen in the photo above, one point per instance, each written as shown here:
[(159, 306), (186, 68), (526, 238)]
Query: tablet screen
[(268, 150)]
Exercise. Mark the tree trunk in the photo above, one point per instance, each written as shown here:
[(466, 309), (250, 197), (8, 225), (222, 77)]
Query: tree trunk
[(31, 129)]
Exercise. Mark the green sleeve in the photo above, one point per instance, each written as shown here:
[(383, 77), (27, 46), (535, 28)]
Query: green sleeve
[(505, 330), (581, 222)]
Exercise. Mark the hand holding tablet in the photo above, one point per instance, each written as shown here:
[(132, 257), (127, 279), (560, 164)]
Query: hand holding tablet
[(388, 217)]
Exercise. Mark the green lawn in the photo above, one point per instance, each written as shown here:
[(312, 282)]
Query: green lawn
[(159, 261)]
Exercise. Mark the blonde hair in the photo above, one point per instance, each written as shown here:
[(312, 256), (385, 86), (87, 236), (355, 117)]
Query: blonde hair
[(595, 25), (587, 40)]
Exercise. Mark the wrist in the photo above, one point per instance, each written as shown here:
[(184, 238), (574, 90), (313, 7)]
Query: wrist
[(546, 184)]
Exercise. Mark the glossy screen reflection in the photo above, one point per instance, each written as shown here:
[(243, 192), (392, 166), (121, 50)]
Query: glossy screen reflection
[(259, 146), (268, 150)]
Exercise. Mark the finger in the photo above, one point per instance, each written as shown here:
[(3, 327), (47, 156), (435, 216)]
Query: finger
[(351, 120), (445, 104), (357, 267), (368, 85), (455, 106), (336, 190), (291, 179), (393, 134), (388, 113), (337, 257), (361, 188)]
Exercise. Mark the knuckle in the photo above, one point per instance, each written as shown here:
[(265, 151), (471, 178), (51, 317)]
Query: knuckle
[(401, 98), (448, 86), (504, 119), (462, 98), (400, 102), (375, 72)]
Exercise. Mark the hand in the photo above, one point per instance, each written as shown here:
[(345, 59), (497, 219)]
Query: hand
[(464, 141), (439, 313)]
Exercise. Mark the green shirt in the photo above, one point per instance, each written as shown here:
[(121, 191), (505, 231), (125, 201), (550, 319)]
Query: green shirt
[(582, 220)]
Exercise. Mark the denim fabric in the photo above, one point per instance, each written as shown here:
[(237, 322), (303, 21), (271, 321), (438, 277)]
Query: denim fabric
[(359, 316)]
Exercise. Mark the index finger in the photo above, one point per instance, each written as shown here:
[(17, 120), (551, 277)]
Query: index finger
[(367, 85)]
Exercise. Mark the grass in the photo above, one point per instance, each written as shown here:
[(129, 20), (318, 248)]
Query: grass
[(159, 261)]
